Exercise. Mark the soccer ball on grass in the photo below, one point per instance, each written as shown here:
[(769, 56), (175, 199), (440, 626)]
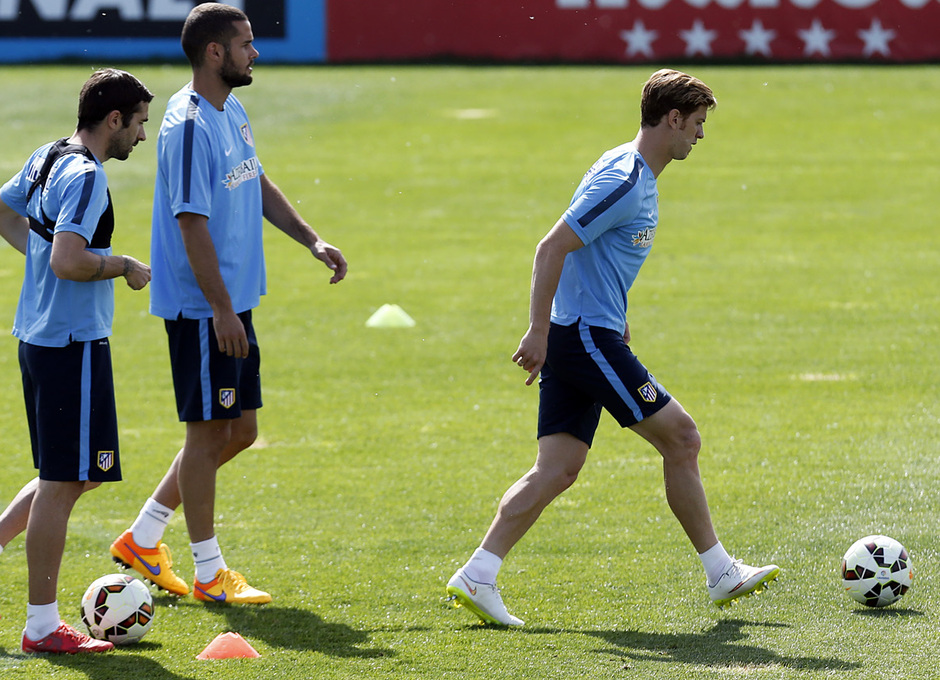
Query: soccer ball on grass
[(876, 571), (117, 608)]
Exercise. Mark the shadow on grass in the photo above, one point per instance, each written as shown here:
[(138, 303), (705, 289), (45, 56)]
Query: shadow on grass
[(109, 665), (284, 627), (888, 613), (298, 629), (717, 647)]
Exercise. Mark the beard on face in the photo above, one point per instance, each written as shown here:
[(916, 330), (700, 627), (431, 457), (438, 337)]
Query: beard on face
[(231, 76), (120, 149)]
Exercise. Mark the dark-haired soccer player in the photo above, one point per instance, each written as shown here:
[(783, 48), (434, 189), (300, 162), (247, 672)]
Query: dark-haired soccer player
[(208, 275), (57, 210), (578, 339)]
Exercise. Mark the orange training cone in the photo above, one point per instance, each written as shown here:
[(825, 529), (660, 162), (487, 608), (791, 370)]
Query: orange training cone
[(228, 646)]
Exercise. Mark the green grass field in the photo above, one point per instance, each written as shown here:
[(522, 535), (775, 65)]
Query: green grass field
[(790, 304)]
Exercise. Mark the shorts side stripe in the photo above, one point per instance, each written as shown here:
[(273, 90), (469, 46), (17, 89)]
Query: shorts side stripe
[(205, 378), (84, 452), (609, 373)]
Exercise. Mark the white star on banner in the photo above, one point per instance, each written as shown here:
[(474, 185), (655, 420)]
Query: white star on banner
[(639, 39), (757, 39), (698, 39), (816, 39), (876, 39)]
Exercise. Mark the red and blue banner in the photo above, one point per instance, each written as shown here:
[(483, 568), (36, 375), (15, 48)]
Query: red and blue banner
[(606, 31)]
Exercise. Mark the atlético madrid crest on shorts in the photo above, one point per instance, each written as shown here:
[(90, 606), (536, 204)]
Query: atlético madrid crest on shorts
[(648, 392), (227, 397), (105, 460)]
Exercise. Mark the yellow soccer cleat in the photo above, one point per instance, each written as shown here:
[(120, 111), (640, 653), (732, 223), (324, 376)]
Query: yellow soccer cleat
[(154, 564), (230, 587)]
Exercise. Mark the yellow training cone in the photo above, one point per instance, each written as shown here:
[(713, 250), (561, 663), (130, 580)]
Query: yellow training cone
[(390, 316)]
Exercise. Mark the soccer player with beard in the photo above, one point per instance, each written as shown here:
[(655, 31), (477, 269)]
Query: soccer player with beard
[(57, 211), (210, 199)]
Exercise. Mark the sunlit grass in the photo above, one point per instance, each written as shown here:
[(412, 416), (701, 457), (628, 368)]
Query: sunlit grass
[(790, 303)]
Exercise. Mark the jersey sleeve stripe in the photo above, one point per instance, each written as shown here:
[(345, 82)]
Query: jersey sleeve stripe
[(611, 198), (189, 131), (85, 199)]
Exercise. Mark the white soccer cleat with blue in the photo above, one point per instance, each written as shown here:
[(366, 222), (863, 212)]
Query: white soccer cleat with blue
[(482, 599), (741, 580)]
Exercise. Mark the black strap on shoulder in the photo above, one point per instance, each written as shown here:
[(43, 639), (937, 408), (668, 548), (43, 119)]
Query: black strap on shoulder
[(102, 236)]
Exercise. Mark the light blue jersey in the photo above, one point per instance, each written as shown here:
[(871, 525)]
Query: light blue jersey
[(53, 312), (614, 211), (207, 165)]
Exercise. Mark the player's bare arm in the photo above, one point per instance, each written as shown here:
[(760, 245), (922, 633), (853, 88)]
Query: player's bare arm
[(229, 330), (72, 260), (279, 212), (546, 271), (14, 228)]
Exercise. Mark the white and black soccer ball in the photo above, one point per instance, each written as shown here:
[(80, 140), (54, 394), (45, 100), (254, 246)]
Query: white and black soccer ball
[(876, 571), (117, 608)]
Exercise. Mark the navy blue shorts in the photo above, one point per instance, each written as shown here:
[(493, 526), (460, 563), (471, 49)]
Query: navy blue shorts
[(69, 394), (209, 384), (589, 368)]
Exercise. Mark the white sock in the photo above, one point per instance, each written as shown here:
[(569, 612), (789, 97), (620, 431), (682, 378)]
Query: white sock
[(150, 524), (1, 549), (41, 620), (483, 566), (716, 561), (208, 558)]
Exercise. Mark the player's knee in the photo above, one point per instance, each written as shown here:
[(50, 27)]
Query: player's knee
[(241, 439), (684, 444), (565, 481), (560, 479)]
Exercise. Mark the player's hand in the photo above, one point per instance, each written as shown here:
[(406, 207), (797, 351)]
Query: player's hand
[(332, 258), (136, 273), (626, 333), (230, 334), (531, 354)]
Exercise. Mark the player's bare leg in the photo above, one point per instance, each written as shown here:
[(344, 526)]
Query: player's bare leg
[(560, 459), (196, 473), (49, 512), (45, 536), (152, 558), (244, 431), (199, 461), (674, 434), (15, 516)]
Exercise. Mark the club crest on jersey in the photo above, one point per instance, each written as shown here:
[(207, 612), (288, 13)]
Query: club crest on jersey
[(246, 134), (644, 238), (227, 397), (105, 460), (648, 393)]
